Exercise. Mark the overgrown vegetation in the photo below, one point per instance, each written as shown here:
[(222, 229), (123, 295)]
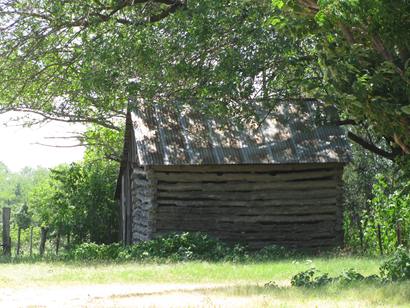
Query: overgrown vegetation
[(176, 247), (69, 204), (376, 204), (396, 268)]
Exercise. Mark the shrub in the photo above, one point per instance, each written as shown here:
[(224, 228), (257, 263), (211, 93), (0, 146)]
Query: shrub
[(179, 247), (92, 251), (274, 252), (172, 247), (310, 278), (350, 276), (397, 267)]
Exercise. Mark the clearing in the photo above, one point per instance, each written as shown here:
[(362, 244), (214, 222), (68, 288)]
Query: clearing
[(191, 284)]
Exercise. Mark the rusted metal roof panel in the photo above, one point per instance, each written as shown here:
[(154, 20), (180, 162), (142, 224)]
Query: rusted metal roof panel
[(290, 133)]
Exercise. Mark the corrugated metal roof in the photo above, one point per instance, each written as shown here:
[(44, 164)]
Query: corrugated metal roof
[(290, 133)]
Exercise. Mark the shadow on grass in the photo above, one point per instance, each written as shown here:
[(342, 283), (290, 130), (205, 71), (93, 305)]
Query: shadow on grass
[(355, 294)]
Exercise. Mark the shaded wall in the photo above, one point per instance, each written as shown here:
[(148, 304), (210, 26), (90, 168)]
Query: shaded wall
[(296, 205)]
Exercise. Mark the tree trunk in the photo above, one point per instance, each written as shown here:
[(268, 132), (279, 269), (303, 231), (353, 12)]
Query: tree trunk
[(361, 236), (398, 231), (379, 237), (57, 242), (68, 239), (18, 241), (31, 241), (6, 232), (43, 238)]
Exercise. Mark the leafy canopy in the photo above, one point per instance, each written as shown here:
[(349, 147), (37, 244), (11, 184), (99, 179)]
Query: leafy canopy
[(362, 51), (85, 60)]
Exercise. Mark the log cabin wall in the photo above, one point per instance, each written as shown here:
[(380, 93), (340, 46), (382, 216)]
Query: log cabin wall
[(143, 191), (294, 205)]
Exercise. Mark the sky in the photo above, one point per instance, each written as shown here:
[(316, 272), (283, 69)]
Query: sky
[(19, 145)]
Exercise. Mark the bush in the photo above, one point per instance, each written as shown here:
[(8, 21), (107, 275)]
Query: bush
[(92, 251), (310, 278), (313, 279), (185, 246), (274, 252), (180, 247), (397, 267)]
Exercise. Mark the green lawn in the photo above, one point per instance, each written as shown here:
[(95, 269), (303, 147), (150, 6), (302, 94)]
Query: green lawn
[(26, 274), (244, 281)]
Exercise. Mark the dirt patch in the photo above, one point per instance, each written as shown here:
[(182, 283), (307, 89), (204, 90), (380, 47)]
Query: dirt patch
[(115, 295)]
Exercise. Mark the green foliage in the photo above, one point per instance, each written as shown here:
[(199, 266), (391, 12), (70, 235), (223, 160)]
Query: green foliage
[(77, 200), (397, 267), (360, 52), (176, 247), (180, 247), (173, 247), (310, 278), (358, 179), (211, 55), (16, 186), (216, 56), (376, 195), (275, 252), (95, 252), (23, 217), (389, 210)]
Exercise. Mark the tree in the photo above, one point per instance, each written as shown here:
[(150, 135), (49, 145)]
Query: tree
[(23, 221), (50, 53), (359, 177), (361, 51), (77, 200), (84, 61)]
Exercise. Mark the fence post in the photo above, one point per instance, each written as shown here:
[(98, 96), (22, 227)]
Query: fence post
[(31, 241), (6, 232), (18, 241), (43, 238)]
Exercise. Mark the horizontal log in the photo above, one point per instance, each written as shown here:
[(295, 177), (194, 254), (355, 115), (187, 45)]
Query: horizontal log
[(263, 194), (328, 241), (209, 221), (295, 244), (218, 228), (254, 227), (245, 201), (249, 177), (279, 236), (247, 186), (169, 211), (248, 168)]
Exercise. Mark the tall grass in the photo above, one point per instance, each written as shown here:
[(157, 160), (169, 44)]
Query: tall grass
[(48, 273)]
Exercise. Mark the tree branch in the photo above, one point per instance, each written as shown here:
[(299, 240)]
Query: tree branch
[(370, 146), (345, 122), (311, 5)]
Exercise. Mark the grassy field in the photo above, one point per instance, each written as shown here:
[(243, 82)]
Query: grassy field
[(42, 274), (245, 281)]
